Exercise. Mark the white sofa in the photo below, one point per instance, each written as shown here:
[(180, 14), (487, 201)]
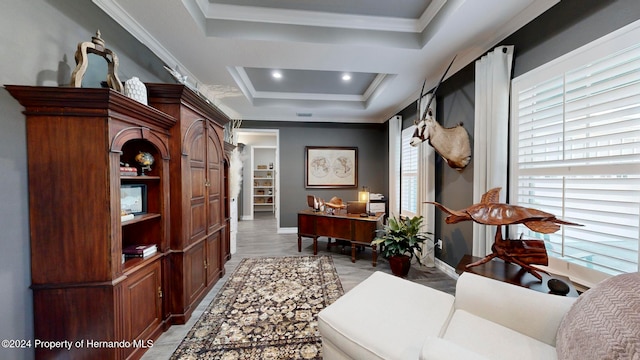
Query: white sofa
[(386, 317)]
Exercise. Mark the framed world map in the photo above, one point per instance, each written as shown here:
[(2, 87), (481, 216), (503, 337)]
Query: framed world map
[(331, 167)]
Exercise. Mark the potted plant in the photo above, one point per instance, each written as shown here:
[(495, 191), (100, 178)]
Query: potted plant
[(399, 240)]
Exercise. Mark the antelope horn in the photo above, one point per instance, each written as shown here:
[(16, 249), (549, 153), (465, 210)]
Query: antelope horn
[(417, 120), (426, 110)]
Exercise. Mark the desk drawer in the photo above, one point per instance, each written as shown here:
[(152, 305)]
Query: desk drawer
[(364, 231), (334, 227)]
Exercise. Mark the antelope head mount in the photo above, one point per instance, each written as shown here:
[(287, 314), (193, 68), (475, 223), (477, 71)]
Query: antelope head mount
[(451, 143)]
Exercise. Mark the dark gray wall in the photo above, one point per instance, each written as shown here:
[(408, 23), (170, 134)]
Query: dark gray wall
[(565, 27), (373, 160), (38, 39), (455, 188)]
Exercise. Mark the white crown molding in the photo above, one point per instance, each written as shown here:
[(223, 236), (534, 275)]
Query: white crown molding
[(246, 86), (535, 9), (306, 96), (118, 14), (333, 119), (242, 80), (374, 86), (318, 18), (429, 14)]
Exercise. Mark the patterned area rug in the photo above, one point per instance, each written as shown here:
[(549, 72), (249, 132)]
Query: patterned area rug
[(267, 309)]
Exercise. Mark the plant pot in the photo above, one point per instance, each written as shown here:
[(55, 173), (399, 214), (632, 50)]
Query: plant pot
[(400, 265)]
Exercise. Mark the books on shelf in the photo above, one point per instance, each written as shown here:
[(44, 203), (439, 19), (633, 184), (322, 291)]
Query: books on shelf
[(128, 171), (126, 217), (139, 250)]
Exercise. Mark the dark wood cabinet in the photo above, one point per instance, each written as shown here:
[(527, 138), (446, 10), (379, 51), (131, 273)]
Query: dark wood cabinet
[(143, 302), (199, 219), (82, 288)]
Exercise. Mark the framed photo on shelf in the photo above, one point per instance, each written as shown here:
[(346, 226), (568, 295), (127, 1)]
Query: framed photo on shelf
[(133, 198), (331, 167)]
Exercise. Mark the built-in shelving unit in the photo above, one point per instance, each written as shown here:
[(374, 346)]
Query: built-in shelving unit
[(264, 189), (83, 285), (121, 251)]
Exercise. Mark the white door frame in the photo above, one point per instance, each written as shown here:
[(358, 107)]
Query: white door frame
[(276, 167)]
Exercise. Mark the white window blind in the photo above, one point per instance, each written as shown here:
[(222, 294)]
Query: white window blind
[(408, 175), (576, 152)]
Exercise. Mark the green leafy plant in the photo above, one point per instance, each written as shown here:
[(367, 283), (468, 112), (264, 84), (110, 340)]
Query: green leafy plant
[(401, 236)]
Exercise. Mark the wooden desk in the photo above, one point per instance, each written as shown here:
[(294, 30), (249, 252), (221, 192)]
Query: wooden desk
[(513, 274), (342, 226)]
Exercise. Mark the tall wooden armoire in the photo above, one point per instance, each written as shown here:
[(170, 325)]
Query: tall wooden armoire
[(199, 209), (83, 289)]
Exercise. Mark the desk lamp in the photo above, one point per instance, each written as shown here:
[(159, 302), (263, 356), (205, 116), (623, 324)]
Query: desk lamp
[(363, 196)]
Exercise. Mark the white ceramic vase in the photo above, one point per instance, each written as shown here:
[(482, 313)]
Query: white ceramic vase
[(135, 89)]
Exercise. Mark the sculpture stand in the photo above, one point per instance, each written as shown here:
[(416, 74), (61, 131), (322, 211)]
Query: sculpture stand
[(520, 252)]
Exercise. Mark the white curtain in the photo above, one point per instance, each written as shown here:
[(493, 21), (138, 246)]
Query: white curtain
[(395, 139), (493, 80), (426, 190)]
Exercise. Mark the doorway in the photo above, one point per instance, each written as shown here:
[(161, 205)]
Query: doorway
[(260, 193)]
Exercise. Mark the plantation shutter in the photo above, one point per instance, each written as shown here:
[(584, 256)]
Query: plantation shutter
[(409, 175), (577, 140)]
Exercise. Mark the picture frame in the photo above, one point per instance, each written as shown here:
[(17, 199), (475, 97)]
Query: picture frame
[(331, 167), (133, 198)]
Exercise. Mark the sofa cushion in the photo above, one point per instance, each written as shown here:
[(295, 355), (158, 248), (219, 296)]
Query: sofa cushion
[(440, 349), (532, 313), (385, 317), (604, 323), (494, 341)]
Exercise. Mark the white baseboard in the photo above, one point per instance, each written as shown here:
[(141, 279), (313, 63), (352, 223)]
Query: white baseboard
[(446, 268), (246, 217), (288, 230)]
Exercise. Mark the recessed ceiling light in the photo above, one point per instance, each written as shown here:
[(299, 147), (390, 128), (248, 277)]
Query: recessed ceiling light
[(276, 74), (346, 77)]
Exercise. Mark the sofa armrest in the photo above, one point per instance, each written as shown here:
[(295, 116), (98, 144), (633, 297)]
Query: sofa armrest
[(440, 349), (526, 311)]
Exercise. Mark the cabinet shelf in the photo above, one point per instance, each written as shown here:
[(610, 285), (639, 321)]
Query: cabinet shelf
[(139, 178), (141, 218), (132, 264), (263, 190)]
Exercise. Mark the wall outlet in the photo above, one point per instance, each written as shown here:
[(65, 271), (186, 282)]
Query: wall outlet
[(439, 244)]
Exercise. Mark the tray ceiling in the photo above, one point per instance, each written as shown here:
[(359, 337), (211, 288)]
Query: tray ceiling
[(230, 49)]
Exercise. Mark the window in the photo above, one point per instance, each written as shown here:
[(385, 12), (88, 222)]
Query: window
[(408, 175), (576, 154)]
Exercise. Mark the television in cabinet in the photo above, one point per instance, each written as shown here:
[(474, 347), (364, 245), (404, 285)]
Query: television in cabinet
[(83, 289), (199, 219)]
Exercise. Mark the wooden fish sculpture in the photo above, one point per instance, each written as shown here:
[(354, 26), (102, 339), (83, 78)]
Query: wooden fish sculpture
[(490, 212)]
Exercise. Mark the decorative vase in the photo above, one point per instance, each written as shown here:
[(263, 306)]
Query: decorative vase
[(135, 89), (400, 265)]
